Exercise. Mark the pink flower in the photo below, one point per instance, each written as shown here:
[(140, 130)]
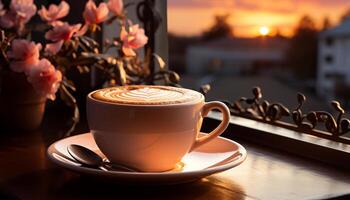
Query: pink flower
[(8, 20), (45, 79), (54, 12), (21, 11), (53, 48), (59, 34), (62, 32), (2, 10), (23, 55), (25, 9), (116, 7), (93, 14), (133, 39)]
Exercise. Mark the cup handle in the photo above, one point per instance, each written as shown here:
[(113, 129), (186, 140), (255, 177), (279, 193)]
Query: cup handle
[(218, 130)]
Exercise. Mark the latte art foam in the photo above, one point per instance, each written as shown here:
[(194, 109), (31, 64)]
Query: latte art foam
[(147, 95)]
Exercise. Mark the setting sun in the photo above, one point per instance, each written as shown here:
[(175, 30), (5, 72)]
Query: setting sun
[(264, 30), (248, 17)]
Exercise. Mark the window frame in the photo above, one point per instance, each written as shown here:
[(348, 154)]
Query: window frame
[(279, 138)]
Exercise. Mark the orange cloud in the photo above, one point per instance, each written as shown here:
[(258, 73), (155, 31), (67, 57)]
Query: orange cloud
[(280, 6)]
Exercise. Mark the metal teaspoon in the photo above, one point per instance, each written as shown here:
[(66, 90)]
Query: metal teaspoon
[(89, 158)]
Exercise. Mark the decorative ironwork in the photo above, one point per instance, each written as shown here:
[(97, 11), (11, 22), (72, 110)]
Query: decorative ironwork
[(259, 108), (277, 114), (336, 126)]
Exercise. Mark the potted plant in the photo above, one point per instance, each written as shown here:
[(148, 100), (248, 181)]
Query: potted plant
[(33, 71)]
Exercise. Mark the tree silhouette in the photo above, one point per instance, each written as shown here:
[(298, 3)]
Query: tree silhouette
[(221, 28), (326, 23), (302, 52), (278, 34), (346, 15)]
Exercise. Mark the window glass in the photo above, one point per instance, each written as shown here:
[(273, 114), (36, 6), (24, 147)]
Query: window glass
[(235, 45), (328, 59), (329, 41)]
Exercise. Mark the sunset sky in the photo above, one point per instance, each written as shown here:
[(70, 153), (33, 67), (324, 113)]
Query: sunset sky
[(191, 17)]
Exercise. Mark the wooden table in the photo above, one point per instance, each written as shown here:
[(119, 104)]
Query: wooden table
[(26, 173)]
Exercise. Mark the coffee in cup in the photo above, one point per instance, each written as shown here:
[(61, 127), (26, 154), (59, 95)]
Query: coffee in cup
[(149, 95), (149, 128)]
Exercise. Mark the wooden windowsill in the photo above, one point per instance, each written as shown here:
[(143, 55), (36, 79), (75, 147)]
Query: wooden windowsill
[(305, 145)]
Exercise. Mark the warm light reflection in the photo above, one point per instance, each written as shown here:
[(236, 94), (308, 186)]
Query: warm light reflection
[(264, 30)]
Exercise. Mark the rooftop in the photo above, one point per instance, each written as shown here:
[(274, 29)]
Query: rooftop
[(232, 44), (343, 29)]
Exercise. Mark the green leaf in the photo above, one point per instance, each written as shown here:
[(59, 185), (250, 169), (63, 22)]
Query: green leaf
[(122, 73), (69, 84), (70, 101), (160, 61), (174, 77), (66, 96)]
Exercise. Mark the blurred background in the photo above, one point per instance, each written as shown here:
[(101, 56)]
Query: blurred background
[(285, 46)]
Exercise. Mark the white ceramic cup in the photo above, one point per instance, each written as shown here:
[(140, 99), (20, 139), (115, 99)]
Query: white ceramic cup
[(151, 138)]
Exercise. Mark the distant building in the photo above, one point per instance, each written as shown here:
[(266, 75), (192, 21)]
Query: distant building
[(235, 55), (333, 59)]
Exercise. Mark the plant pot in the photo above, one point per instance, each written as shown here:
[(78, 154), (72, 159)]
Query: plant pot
[(21, 107)]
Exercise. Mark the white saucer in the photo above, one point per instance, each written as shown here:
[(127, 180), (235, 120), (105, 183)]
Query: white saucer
[(216, 156)]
